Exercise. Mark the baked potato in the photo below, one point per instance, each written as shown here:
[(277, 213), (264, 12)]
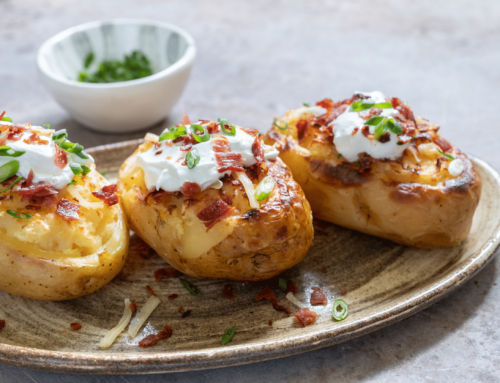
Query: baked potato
[(57, 241), (368, 164), (236, 214)]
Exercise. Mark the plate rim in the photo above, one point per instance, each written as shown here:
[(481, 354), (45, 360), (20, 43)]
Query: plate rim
[(177, 361)]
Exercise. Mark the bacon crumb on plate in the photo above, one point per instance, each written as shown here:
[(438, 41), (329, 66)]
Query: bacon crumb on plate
[(33, 207), (318, 297), (150, 290), (75, 326), (181, 309), (149, 341), (343, 292), (270, 323), (186, 314), (172, 297), (267, 293), (166, 273), (228, 291), (290, 287), (133, 307), (2, 324), (107, 195), (324, 270), (68, 210), (305, 317)]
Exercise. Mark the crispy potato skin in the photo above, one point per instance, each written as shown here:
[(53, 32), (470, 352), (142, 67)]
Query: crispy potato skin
[(413, 201), (47, 258), (250, 245)]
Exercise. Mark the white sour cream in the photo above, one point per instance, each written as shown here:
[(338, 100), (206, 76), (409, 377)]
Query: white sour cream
[(40, 159), (456, 167), (164, 170), (351, 144)]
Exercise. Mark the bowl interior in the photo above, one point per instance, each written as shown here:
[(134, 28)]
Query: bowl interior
[(63, 56)]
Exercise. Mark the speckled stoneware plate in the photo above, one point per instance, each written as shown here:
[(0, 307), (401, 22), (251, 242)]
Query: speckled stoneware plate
[(385, 283)]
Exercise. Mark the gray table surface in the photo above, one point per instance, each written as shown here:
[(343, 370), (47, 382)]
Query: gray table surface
[(256, 59)]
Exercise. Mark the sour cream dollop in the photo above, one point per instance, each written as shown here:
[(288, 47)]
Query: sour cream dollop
[(350, 142), (40, 157), (165, 170)]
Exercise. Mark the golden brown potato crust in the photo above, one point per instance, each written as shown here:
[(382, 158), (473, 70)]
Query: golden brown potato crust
[(47, 258), (413, 200), (249, 245)]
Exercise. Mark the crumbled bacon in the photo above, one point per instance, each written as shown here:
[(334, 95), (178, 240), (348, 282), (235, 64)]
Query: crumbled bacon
[(61, 158), (167, 330), (181, 309), (226, 160), (228, 291), (258, 150), (443, 144), (305, 316), (186, 139), (75, 326), (147, 255), (270, 323), (33, 207), (186, 314), (107, 195), (35, 138), (385, 137), (68, 210), (403, 109), (217, 211), (190, 188), (172, 297), (324, 270), (185, 119), (133, 307), (367, 114), (2, 322), (250, 130), (49, 201), (149, 341), (302, 126), (166, 273), (186, 148), (326, 104), (15, 132), (318, 297), (1, 115), (29, 180), (40, 189), (150, 290), (213, 128), (290, 287), (267, 293), (343, 292), (155, 194)]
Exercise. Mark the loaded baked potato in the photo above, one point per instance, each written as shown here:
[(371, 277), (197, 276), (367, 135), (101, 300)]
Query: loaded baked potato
[(368, 164), (215, 202), (63, 233)]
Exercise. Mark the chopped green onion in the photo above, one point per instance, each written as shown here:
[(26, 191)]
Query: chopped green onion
[(361, 105), (280, 124), (374, 121), (394, 126), (19, 214), (384, 124), (223, 122), (190, 287), (192, 158), (104, 174), (72, 182), (82, 155), (71, 147), (8, 170), (340, 310), (204, 137), (4, 152), (86, 170), (173, 133), (79, 170), (8, 119), (399, 143), (283, 285), (228, 335), (356, 163), (306, 104), (88, 60), (446, 155), (15, 182), (339, 155), (48, 126), (60, 136), (264, 188)]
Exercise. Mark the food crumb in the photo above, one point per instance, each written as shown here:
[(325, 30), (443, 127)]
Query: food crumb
[(75, 326), (2, 324), (323, 270), (316, 260), (133, 307), (150, 290), (186, 314), (181, 309), (270, 323), (172, 297), (344, 292), (228, 291)]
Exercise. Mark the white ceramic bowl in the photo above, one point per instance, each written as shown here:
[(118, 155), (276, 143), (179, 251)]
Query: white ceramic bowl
[(123, 106)]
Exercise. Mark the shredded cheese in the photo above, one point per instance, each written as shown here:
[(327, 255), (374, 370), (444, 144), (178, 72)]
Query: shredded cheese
[(82, 201), (249, 189), (294, 300), (112, 334), (143, 315), (151, 137)]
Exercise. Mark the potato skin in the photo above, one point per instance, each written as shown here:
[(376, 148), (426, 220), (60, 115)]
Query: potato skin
[(413, 201), (250, 245), (33, 270)]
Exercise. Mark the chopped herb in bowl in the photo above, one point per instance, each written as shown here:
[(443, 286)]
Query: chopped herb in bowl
[(134, 66)]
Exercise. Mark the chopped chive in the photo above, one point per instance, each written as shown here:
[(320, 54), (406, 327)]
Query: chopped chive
[(228, 335), (19, 214), (361, 105), (199, 128), (7, 151), (86, 170), (192, 158), (60, 136), (8, 170), (76, 168), (356, 163), (190, 287), (230, 132), (88, 60), (104, 174), (306, 104), (173, 133), (72, 182), (339, 155), (340, 310), (282, 285), (46, 125), (8, 119), (446, 155), (280, 124), (15, 182), (264, 188)]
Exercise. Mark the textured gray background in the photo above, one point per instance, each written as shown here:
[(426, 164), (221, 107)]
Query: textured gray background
[(258, 58)]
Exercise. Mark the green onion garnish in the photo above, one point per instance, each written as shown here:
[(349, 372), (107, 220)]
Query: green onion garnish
[(79, 170), (446, 155), (173, 133), (47, 126), (192, 158), (339, 155), (104, 174), (77, 149), (60, 136), (282, 285), (340, 310), (72, 182), (228, 335), (264, 188), (356, 163), (19, 214), (15, 182), (361, 105), (280, 124), (88, 60), (230, 132), (8, 170), (8, 119), (384, 124), (7, 151), (306, 104), (190, 287), (198, 128)]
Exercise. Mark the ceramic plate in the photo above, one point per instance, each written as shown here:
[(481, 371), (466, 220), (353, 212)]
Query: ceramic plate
[(385, 282)]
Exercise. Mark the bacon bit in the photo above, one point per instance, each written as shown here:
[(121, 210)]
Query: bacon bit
[(186, 148), (367, 114), (213, 128), (1, 116), (190, 189), (228, 291), (270, 323), (226, 160), (343, 292), (156, 145), (167, 330), (61, 158), (155, 194), (35, 138), (33, 207), (107, 195), (3, 140), (318, 297), (166, 273), (305, 316), (290, 287), (149, 341), (227, 199), (158, 152), (150, 290), (316, 260), (302, 126), (355, 130), (258, 150), (443, 144), (327, 104), (15, 133), (148, 255), (49, 201), (386, 137), (250, 130), (68, 210), (181, 309), (75, 326), (217, 211), (185, 119), (172, 297), (365, 130), (267, 293), (186, 314), (133, 307), (29, 180), (2, 322), (40, 189), (323, 270), (403, 109), (187, 139)]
